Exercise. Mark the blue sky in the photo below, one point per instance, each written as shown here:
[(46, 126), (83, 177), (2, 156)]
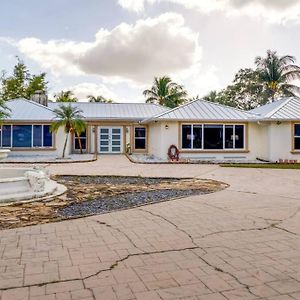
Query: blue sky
[(116, 47)]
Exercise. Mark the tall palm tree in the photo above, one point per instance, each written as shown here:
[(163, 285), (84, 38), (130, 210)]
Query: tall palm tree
[(71, 120), (166, 92), (65, 96), (276, 74), (99, 99)]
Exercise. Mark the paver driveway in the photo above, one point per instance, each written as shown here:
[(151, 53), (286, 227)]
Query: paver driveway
[(241, 243)]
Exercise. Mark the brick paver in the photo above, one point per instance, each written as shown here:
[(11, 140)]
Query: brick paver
[(240, 243)]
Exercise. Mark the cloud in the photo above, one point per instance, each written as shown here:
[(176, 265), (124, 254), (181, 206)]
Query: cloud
[(136, 52), (272, 10), (83, 90)]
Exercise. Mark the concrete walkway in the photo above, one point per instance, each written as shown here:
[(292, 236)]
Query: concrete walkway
[(241, 243)]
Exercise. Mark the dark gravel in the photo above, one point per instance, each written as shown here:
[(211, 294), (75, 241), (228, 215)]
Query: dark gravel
[(104, 205)]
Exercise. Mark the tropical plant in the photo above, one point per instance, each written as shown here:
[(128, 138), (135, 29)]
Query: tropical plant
[(166, 92), (70, 118), (21, 84), (99, 99), (65, 96), (276, 74)]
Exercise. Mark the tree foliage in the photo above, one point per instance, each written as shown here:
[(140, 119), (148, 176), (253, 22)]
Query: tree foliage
[(65, 96), (166, 92), (21, 84), (99, 99), (272, 78), (71, 119)]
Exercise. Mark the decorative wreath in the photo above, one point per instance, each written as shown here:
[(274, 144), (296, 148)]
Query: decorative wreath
[(173, 153)]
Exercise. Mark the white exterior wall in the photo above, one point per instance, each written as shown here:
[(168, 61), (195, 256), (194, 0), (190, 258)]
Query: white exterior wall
[(280, 141), (160, 139)]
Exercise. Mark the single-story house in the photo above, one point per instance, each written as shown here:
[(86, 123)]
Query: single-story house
[(200, 129)]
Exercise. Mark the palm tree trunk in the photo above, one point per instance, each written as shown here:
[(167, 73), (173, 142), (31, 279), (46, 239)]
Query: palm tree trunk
[(65, 145), (79, 142)]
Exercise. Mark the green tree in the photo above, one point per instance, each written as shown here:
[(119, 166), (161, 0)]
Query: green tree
[(276, 73), (21, 84), (65, 96), (71, 119), (271, 78), (99, 99), (166, 92)]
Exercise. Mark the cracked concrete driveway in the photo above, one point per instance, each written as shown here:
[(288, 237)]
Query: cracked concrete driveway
[(240, 243)]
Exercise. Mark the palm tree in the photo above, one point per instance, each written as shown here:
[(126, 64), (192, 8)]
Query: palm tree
[(166, 92), (99, 99), (276, 74), (65, 96), (71, 120)]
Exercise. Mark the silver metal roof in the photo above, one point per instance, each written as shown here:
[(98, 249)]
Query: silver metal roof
[(204, 110), (113, 111), (26, 110), (283, 109)]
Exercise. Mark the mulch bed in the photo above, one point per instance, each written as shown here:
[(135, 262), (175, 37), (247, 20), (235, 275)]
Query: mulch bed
[(90, 195)]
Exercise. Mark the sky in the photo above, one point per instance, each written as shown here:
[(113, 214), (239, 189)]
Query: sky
[(115, 48)]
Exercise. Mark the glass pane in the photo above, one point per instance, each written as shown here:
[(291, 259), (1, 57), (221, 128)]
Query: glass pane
[(104, 149), (116, 149), (6, 135), (140, 132), (116, 143), (83, 144), (229, 137), (22, 135), (104, 136), (116, 137), (213, 137), (140, 144), (297, 143), (37, 136), (104, 130), (83, 134), (186, 140), (239, 137), (104, 143), (197, 136), (47, 136), (116, 130), (297, 129)]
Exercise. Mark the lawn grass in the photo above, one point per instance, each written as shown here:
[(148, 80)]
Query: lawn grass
[(262, 166)]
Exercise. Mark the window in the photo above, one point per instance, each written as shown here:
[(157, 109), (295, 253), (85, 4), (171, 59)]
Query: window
[(297, 136), (212, 136), (82, 139), (140, 136), (25, 136)]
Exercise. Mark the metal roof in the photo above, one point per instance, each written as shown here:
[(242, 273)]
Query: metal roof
[(113, 111), (204, 110), (25, 110), (283, 109)]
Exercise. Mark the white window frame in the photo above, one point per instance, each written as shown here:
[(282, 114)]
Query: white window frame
[(140, 138), (82, 138), (202, 136), (295, 137)]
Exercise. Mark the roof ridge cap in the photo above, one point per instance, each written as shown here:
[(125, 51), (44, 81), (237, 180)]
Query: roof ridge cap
[(276, 109)]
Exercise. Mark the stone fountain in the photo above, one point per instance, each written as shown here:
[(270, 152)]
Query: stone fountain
[(26, 184)]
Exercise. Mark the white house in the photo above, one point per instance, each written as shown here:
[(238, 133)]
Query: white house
[(200, 129)]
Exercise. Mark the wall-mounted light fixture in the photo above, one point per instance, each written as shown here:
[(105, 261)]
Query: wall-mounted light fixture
[(166, 126), (278, 122)]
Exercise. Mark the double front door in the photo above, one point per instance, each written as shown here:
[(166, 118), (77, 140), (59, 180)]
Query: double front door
[(110, 139)]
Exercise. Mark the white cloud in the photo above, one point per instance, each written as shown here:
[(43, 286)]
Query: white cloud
[(138, 52), (271, 10), (83, 90)]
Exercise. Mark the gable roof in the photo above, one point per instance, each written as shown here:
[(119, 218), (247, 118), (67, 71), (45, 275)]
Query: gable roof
[(283, 109), (203, 110), (26, 110), (113, 111)]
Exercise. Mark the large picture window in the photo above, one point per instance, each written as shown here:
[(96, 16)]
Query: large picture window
[(25, 136), (297, 136), (140, 138), (212, 136)]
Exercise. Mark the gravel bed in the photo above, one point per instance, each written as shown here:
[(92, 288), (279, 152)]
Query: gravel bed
[(104, 205)]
